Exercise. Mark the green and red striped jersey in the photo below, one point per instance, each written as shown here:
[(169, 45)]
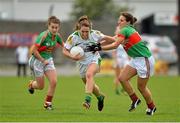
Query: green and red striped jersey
[(46, 43), (133, 44)]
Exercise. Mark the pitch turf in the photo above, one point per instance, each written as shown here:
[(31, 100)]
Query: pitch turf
[(17, 105)]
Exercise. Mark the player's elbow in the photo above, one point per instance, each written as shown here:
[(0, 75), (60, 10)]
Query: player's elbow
[(65, 51)]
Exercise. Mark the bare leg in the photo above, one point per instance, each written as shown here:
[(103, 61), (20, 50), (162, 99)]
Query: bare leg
[(91, 87), (142, 86), (36, 84), (96, 90), (90, 83), (39, 83), (126, 74), (52, 77)]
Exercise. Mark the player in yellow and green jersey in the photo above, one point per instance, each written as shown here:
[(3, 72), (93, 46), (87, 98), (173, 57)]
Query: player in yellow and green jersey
[(89, 64)]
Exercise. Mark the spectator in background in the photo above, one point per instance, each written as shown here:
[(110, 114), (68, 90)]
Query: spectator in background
[(22, 53)]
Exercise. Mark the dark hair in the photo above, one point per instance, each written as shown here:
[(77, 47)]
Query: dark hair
[(53, 19), (129, 17), (82, 21)]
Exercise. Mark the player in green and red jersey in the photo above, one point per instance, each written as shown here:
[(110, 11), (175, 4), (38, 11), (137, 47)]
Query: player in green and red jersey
[(141, 63), (41, 61)]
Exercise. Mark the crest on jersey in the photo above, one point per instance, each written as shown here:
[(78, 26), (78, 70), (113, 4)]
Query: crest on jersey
[(98, 32)]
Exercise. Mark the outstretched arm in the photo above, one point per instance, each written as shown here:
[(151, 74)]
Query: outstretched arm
[(114, 45), (107, 40), (116, 42)]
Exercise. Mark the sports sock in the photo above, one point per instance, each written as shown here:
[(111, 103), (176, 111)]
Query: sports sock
[(117, 91), (134, 97), (48, 99), (88, 97), (151, 105), (100, 97)]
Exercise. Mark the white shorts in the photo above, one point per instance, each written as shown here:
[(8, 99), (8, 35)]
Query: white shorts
[(39, 68), (83, 67), (144, 66)]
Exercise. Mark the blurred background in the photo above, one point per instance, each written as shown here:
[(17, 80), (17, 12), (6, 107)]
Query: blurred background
[(22, 20)]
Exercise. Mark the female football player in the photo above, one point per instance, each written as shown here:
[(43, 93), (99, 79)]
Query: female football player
[(89, 64), (41, 62), (141, 63)]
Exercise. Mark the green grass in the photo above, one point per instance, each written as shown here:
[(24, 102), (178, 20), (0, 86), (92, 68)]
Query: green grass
[(16, 104)]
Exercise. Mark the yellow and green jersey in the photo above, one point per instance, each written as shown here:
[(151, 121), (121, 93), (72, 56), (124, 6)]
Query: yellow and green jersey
[(46, 43), (133, 44), (75, 39)]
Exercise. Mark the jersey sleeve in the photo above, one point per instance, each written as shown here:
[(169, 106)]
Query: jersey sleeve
[(97, 35), (69, 42), (60, 40), (123, 33), (40, 39)]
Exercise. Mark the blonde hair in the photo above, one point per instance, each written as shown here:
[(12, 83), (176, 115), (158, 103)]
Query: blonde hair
[(82, 21)]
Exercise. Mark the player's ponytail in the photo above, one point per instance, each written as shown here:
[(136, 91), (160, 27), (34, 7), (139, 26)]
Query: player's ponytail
[(134, 20), (129, 18)]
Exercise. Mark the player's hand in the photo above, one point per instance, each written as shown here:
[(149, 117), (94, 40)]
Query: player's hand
[(93, 47), (89, 48), (45, 62), (97, 47)]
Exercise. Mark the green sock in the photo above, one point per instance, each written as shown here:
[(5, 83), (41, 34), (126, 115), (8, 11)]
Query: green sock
[(100, 97), (117, 91), (88, 97)]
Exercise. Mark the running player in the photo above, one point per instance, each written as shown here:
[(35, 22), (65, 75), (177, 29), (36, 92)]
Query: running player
[(141, 63), (89, 64), (41, 61)]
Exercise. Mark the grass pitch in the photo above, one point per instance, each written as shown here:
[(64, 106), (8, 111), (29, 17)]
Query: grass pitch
[(17, 105)]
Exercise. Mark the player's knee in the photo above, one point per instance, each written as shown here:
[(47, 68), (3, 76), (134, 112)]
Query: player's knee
[(141, 88), (40, 83), (89, 75), (121, 79)]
